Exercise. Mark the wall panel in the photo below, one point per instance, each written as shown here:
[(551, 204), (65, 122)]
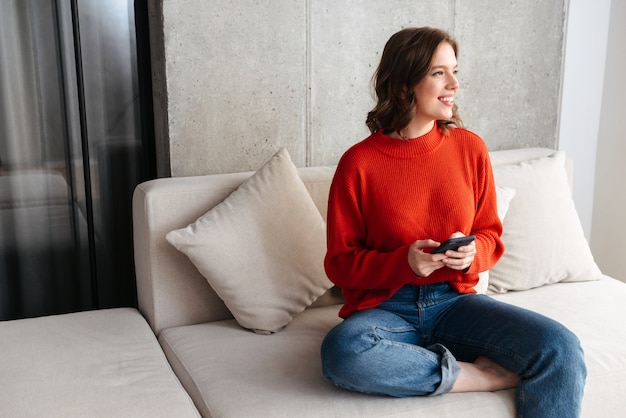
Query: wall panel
[(238, 82), (347, 40), (235, 74), (510, 70)]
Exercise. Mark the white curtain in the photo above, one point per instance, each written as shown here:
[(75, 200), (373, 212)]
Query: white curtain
[(66, 186), (20, 130)]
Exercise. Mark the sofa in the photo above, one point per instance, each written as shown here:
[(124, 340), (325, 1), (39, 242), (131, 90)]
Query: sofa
[(234, 304)]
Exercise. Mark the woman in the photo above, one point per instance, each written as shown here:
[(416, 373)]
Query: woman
[(413, 324)]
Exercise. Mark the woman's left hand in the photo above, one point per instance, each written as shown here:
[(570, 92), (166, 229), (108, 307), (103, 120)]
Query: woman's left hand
[(463, 257)]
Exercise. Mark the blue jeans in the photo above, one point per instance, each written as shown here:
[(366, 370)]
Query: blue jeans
[(410, 345)]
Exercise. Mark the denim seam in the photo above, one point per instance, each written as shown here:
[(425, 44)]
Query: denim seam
[(486, 346), (422, 351)]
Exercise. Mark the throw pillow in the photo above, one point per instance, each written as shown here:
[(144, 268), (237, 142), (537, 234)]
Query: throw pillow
[(543, 238), (503, 196), (262, 249)]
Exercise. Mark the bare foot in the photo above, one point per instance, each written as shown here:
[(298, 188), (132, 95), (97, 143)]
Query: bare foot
[(484, 375)]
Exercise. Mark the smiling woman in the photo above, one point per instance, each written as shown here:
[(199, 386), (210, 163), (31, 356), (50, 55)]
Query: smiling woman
[(397, 85), (435, 92), (413, 323)]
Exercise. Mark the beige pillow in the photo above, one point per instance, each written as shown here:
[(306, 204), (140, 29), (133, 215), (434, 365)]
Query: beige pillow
[(504, 196), (543, 238), (262, 249)]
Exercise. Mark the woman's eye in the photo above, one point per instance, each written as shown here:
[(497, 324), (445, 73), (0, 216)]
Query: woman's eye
[(438, 73)]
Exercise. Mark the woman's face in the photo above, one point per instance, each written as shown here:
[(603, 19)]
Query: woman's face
[(435, 94)]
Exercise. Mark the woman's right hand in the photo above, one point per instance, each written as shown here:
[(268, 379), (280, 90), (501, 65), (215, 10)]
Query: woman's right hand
[(423, 263)]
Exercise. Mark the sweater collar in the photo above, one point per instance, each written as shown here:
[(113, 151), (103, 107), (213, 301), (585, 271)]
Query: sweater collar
[(410, 148)]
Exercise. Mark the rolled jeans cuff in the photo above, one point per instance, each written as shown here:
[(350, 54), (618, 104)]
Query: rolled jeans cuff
[(450, 369)]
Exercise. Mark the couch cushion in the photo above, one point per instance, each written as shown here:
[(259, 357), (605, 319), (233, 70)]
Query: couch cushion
[(543, 238), (595, 312), (231, 372), (91, 364), (262, 248)]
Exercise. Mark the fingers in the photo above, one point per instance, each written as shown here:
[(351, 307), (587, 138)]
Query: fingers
[(461, 258), (458, 263), (422, 263), (425, 243)]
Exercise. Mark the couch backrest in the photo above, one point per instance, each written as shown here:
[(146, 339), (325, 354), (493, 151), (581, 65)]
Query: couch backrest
[(171, 292)]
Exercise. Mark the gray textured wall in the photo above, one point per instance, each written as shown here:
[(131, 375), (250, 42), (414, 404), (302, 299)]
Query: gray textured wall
[(234, 81)]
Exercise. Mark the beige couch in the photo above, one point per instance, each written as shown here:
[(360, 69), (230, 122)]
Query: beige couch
[(230, 371), (109, 363), (104, 363)]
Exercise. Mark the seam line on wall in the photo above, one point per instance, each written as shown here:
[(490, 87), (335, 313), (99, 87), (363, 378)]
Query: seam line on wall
[(557, 130), (452, 6), (308, 79)]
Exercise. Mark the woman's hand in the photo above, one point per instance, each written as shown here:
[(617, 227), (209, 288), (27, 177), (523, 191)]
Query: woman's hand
[(423, 263), (462, 258)]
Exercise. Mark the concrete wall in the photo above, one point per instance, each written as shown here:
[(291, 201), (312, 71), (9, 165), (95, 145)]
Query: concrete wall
[(234, 81)]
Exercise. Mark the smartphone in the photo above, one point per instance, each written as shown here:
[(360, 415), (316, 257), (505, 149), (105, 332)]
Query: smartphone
[(453, 244)]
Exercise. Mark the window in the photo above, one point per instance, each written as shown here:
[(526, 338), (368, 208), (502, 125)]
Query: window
[(75, 139)]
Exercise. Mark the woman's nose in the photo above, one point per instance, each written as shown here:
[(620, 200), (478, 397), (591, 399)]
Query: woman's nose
[(453, 82)]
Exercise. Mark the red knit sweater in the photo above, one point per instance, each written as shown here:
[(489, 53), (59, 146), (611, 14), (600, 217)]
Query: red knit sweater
[(387, 193)]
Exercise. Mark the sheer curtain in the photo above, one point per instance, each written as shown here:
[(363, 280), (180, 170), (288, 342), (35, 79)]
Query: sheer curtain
[(71, 152)]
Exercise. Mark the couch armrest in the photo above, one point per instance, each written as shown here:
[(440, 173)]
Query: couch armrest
[(170, 290)]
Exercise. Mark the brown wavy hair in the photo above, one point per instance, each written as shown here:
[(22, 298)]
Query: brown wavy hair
[(406, 61)]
